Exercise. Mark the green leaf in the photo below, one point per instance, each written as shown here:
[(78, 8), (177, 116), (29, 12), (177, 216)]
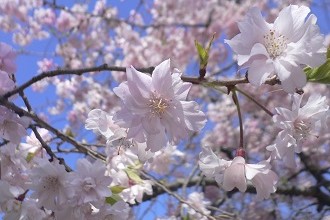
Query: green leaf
[(68, 132), (110, 200), (210, 43), (319, 74), (30, 156), (117, 189), (132, 174), (203, 54), (185, 217), (113, 199)]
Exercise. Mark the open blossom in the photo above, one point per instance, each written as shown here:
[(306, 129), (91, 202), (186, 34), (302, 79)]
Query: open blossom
[(51, 184), (12, 127), (279, 48), (236, 173), (298, 124), (90, 182), (101, 123), (164, 159), (7, 58), (197, 201), (154, 107), (6, 84), (134, 189), (118, 211), (33, 145), (8, 195)]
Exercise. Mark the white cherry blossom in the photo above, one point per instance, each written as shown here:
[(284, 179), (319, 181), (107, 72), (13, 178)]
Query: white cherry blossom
[(298, 124), (51, 184), (155, 109), (101, 122), (90, 182), (197, 201), (237, 173), (279, 48)]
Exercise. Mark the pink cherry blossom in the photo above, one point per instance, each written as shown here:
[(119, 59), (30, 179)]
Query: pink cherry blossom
[(6, 84), (297, 125), (154, 107), (12, 127), (7, 58), (8, 195), (27, 209), (90, 182), (197, 201), (279, 48), (33, 145), (118, 211), (165, 159), (237, 173), (51, 184)]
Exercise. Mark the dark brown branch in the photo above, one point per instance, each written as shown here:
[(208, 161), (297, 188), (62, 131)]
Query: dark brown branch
[(105, 67), (49, 150), (311, 192), (78, 72), (38, 136)]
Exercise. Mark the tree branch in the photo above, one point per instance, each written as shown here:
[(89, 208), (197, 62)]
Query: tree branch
[(42, 123), (105, 67)]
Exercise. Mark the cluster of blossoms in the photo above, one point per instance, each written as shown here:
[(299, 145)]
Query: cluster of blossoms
[(154, 112), (154, 116), (12, 127), (275, 49), (32, 187)]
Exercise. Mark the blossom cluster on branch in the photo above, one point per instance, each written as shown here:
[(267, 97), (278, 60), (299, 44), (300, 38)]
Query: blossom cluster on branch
[(157, 130)]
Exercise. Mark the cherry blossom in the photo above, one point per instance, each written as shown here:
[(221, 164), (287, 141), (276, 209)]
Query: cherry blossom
[(119, 211), (7, 58), (298, 124), (279, 48), (8, 195), (196, 200), (236, 173), (12, 127), (101, 123), (6, 84), (164, 158), (148, 139), (154, 107), (90, 182), (51, 184), (33, 145)]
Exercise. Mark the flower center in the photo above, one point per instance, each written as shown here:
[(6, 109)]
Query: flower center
[(88, 184), (158, 105), (50, 183), (275, 44), (302, 128)]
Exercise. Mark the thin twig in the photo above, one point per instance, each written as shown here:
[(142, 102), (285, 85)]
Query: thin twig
[(255, 101), (175, 195), (38, 136), (42, 123)]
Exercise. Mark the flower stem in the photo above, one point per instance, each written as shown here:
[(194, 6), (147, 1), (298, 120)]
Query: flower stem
[(255, 101), (235, 99)]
